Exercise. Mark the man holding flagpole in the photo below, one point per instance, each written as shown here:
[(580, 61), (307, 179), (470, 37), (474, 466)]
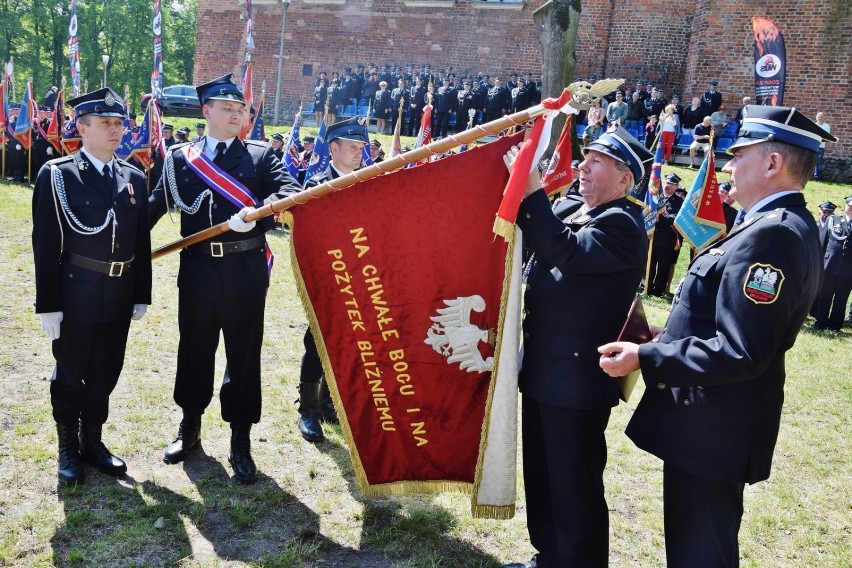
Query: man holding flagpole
[(346, 141), (581, 282), (222, 285), (714, 376)]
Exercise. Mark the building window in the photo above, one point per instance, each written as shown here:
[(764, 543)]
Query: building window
[(499, 4), (307, 70)]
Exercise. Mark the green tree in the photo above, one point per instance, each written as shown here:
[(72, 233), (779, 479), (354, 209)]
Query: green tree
[(35, 33)]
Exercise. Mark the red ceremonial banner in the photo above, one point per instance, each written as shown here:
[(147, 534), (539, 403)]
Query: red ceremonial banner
[(558, 174), (406, 290)]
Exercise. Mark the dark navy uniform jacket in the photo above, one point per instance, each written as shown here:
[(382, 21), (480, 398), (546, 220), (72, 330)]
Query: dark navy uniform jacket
[(837, 247), (579, 291), (84, 295), (254, 165), (715, 380)]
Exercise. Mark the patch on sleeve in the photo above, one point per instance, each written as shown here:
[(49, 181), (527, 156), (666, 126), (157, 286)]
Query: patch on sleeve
[(763, 283)]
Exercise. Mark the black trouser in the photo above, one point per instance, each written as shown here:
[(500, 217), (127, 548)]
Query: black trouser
[(240, 320), (663, 256), (564, 458), (702, 520), (832, 301), (414, 116), (442, 123), (311, 370), (89, 358)]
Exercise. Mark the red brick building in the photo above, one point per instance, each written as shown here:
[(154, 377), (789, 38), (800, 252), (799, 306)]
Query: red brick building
[(678, 45)]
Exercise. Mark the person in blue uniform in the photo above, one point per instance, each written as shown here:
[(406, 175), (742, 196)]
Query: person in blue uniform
[(714, 375), (837, 248), (222, 284), (582, 279), (665, 245), (92, 251), (345, 144)]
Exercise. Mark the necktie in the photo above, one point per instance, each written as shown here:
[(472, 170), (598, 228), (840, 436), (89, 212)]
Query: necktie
[(220, 152), (106, 172)]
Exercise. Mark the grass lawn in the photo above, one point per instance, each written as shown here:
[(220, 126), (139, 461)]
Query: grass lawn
[(306, 509)]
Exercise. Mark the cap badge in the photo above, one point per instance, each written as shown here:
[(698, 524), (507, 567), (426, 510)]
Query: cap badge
[(109, 100)]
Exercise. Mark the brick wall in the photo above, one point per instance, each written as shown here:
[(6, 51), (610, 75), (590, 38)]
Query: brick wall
[(678, 45)]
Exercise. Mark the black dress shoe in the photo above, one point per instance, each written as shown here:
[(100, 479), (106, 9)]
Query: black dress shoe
[(189, 436), (240, 459), (94, 452), (70, 469)]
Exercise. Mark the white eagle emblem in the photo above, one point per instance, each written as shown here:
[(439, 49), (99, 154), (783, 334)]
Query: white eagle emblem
[(453, 336)]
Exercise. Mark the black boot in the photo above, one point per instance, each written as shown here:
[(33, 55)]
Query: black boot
[(240, 459), (309, 424), (70, 465), (189, 436), (327, 413), (94, 452)]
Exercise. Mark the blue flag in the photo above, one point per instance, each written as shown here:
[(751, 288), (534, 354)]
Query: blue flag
[(291, 161), (258, 131), (321, 156), (650, 211), (698, 234), (365, 151), (126, 147)]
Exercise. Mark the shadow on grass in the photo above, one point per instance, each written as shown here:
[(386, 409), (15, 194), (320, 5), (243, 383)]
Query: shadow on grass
[(112, 523), (416, 534)]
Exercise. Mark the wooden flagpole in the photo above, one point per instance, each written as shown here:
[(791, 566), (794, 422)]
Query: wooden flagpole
[(392, 164)]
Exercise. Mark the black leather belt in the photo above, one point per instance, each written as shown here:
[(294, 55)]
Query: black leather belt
[(113, 269), (221, 249)]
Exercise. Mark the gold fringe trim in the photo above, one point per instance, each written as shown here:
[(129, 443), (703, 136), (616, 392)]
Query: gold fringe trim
[(504, 228), (498, 512), (481, 511), (399, 488)]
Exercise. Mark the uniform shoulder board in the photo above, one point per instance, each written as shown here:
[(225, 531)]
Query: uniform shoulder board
[(60, 160), (259, 143), (126, 164), (174, 147)]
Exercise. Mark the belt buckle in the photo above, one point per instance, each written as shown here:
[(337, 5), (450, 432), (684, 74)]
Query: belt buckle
[(116, 269), (216, 250)]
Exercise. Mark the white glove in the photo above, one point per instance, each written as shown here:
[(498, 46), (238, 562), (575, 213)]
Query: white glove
[(236, 223), (139, 310), (50, 324), (49, 151), (18, 147)]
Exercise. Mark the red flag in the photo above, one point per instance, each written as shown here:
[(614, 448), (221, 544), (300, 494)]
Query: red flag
[(27, 114), (558, 174), (57, 117), (247, 95), (709, 210), (410, 337)]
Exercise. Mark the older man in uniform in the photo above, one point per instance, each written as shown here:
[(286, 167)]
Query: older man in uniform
[(666, 242), (92, 250), (345, 144), (714, 376), (277, 143), (834, 295), (222, 285), (581, 281)]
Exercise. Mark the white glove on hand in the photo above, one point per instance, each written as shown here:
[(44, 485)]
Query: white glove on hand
[(237, 224), (139, 310), (50, 324), (49, 151)]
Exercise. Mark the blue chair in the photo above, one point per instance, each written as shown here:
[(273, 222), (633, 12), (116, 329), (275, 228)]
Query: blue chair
[(581, 128), (684, 142), (723, 144), (309, 108), (730, 131), (349, 110)]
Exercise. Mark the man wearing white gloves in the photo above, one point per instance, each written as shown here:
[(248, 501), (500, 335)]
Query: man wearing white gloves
[(222, 284), (92, 250)]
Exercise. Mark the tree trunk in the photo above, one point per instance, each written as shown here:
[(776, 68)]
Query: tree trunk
[(556, 25)]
